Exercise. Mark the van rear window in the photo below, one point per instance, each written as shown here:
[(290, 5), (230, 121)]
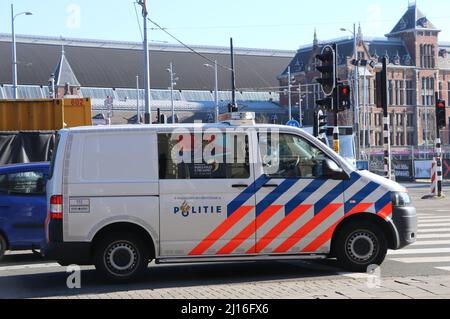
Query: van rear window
[(203, 156)]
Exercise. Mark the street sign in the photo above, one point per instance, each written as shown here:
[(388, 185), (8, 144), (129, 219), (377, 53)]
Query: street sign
[(293, 123)]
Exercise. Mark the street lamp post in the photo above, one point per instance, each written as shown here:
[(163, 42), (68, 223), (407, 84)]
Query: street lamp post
[(216, 88), (289, 93), (172, 84), (356, 87), (14, 48)]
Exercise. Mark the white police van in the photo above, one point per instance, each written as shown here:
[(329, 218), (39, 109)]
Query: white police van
[(120, 197)]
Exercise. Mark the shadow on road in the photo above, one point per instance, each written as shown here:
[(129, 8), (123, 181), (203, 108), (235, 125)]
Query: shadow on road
[(160, 277)]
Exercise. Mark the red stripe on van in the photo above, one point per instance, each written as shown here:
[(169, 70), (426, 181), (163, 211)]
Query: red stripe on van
[(326, 236), (206, 243), (280, 228), (386, 211), (307, 228), (249, 230)]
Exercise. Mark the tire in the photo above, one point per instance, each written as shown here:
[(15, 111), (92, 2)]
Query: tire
[(121, 258), (3, 246), (360, 245)]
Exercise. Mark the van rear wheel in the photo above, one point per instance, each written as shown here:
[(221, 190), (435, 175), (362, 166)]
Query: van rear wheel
[(121, 257), (360, 245), (2, 247)]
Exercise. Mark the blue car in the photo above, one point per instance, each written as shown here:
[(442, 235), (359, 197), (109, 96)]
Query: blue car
[(23, 206)]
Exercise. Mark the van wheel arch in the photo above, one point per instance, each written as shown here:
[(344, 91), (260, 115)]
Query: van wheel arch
[(386, 227), (129, 228)]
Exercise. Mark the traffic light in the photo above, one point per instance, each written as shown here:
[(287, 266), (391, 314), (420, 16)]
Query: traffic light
[(343, 97), (326, 103), (320, 124), (327, 69), (441, 116)]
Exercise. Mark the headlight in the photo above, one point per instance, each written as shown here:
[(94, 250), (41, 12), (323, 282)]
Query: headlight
[(400, 199)]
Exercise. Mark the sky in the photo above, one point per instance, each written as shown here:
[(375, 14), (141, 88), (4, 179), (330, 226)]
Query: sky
[(269, 24)]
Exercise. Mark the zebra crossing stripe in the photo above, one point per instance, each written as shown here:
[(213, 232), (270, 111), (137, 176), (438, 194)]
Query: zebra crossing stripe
[(420, 251), (422, 224), (422, 260), (431, 243), (443, 268), (433, 236), (434, 230)]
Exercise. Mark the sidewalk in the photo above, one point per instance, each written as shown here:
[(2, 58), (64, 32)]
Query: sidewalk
[(355, 286)]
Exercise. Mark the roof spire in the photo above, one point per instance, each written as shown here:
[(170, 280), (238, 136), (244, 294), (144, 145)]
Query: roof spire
[(360, 34), (316, 41)]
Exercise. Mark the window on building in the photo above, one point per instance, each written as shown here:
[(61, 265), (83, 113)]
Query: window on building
[(411, 138), (391, 93), (410, 120), (409, 93)]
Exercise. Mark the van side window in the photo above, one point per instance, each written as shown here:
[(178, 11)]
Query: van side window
[(290, 156), (203, 156), (26, 183)]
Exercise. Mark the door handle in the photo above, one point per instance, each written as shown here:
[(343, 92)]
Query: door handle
[(270, 186), (239, 186)]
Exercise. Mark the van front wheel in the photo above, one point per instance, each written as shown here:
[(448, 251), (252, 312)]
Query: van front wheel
[(121, 257), (360, 245)]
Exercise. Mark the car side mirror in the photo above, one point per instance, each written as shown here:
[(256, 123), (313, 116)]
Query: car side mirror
[(333, 171)]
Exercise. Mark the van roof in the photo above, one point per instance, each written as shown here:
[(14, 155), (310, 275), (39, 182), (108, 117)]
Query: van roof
[(155, 127)]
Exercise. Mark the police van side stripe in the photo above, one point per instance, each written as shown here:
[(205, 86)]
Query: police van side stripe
[(360, 196), (307, 228), (206, 243), (275, 195), (382, 202), (249, 230), (246, 195), (301, 197), (335, 193), (279, 228)]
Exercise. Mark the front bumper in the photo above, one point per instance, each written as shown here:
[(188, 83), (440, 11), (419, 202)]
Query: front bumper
[(405, 222)]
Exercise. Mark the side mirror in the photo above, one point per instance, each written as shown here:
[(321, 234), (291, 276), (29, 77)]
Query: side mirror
[(333, 171)]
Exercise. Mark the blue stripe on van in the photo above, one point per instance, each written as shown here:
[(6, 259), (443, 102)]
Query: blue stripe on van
[(303, 195), (273, 196), (360, 196), (335, 193), (382, 202), (246, 194)]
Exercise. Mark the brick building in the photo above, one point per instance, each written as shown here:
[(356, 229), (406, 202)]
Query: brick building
[(419, 66)]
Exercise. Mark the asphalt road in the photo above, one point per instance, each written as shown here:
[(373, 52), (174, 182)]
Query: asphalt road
[(23, 275)]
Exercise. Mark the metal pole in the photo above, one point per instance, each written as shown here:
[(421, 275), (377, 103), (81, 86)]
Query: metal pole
[(438, 155), (356, 92), (336, 103), (14, 54), (171, 92), (147, 97), (216, 90), (300, 99), (364, 112), (289, 93), (138, 111), (233, 79), (387, 142)]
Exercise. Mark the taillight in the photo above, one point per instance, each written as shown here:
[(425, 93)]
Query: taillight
[(56, 207)]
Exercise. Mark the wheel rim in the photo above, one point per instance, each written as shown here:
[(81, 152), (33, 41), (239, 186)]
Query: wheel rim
[(121, 258), (362, 246)]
